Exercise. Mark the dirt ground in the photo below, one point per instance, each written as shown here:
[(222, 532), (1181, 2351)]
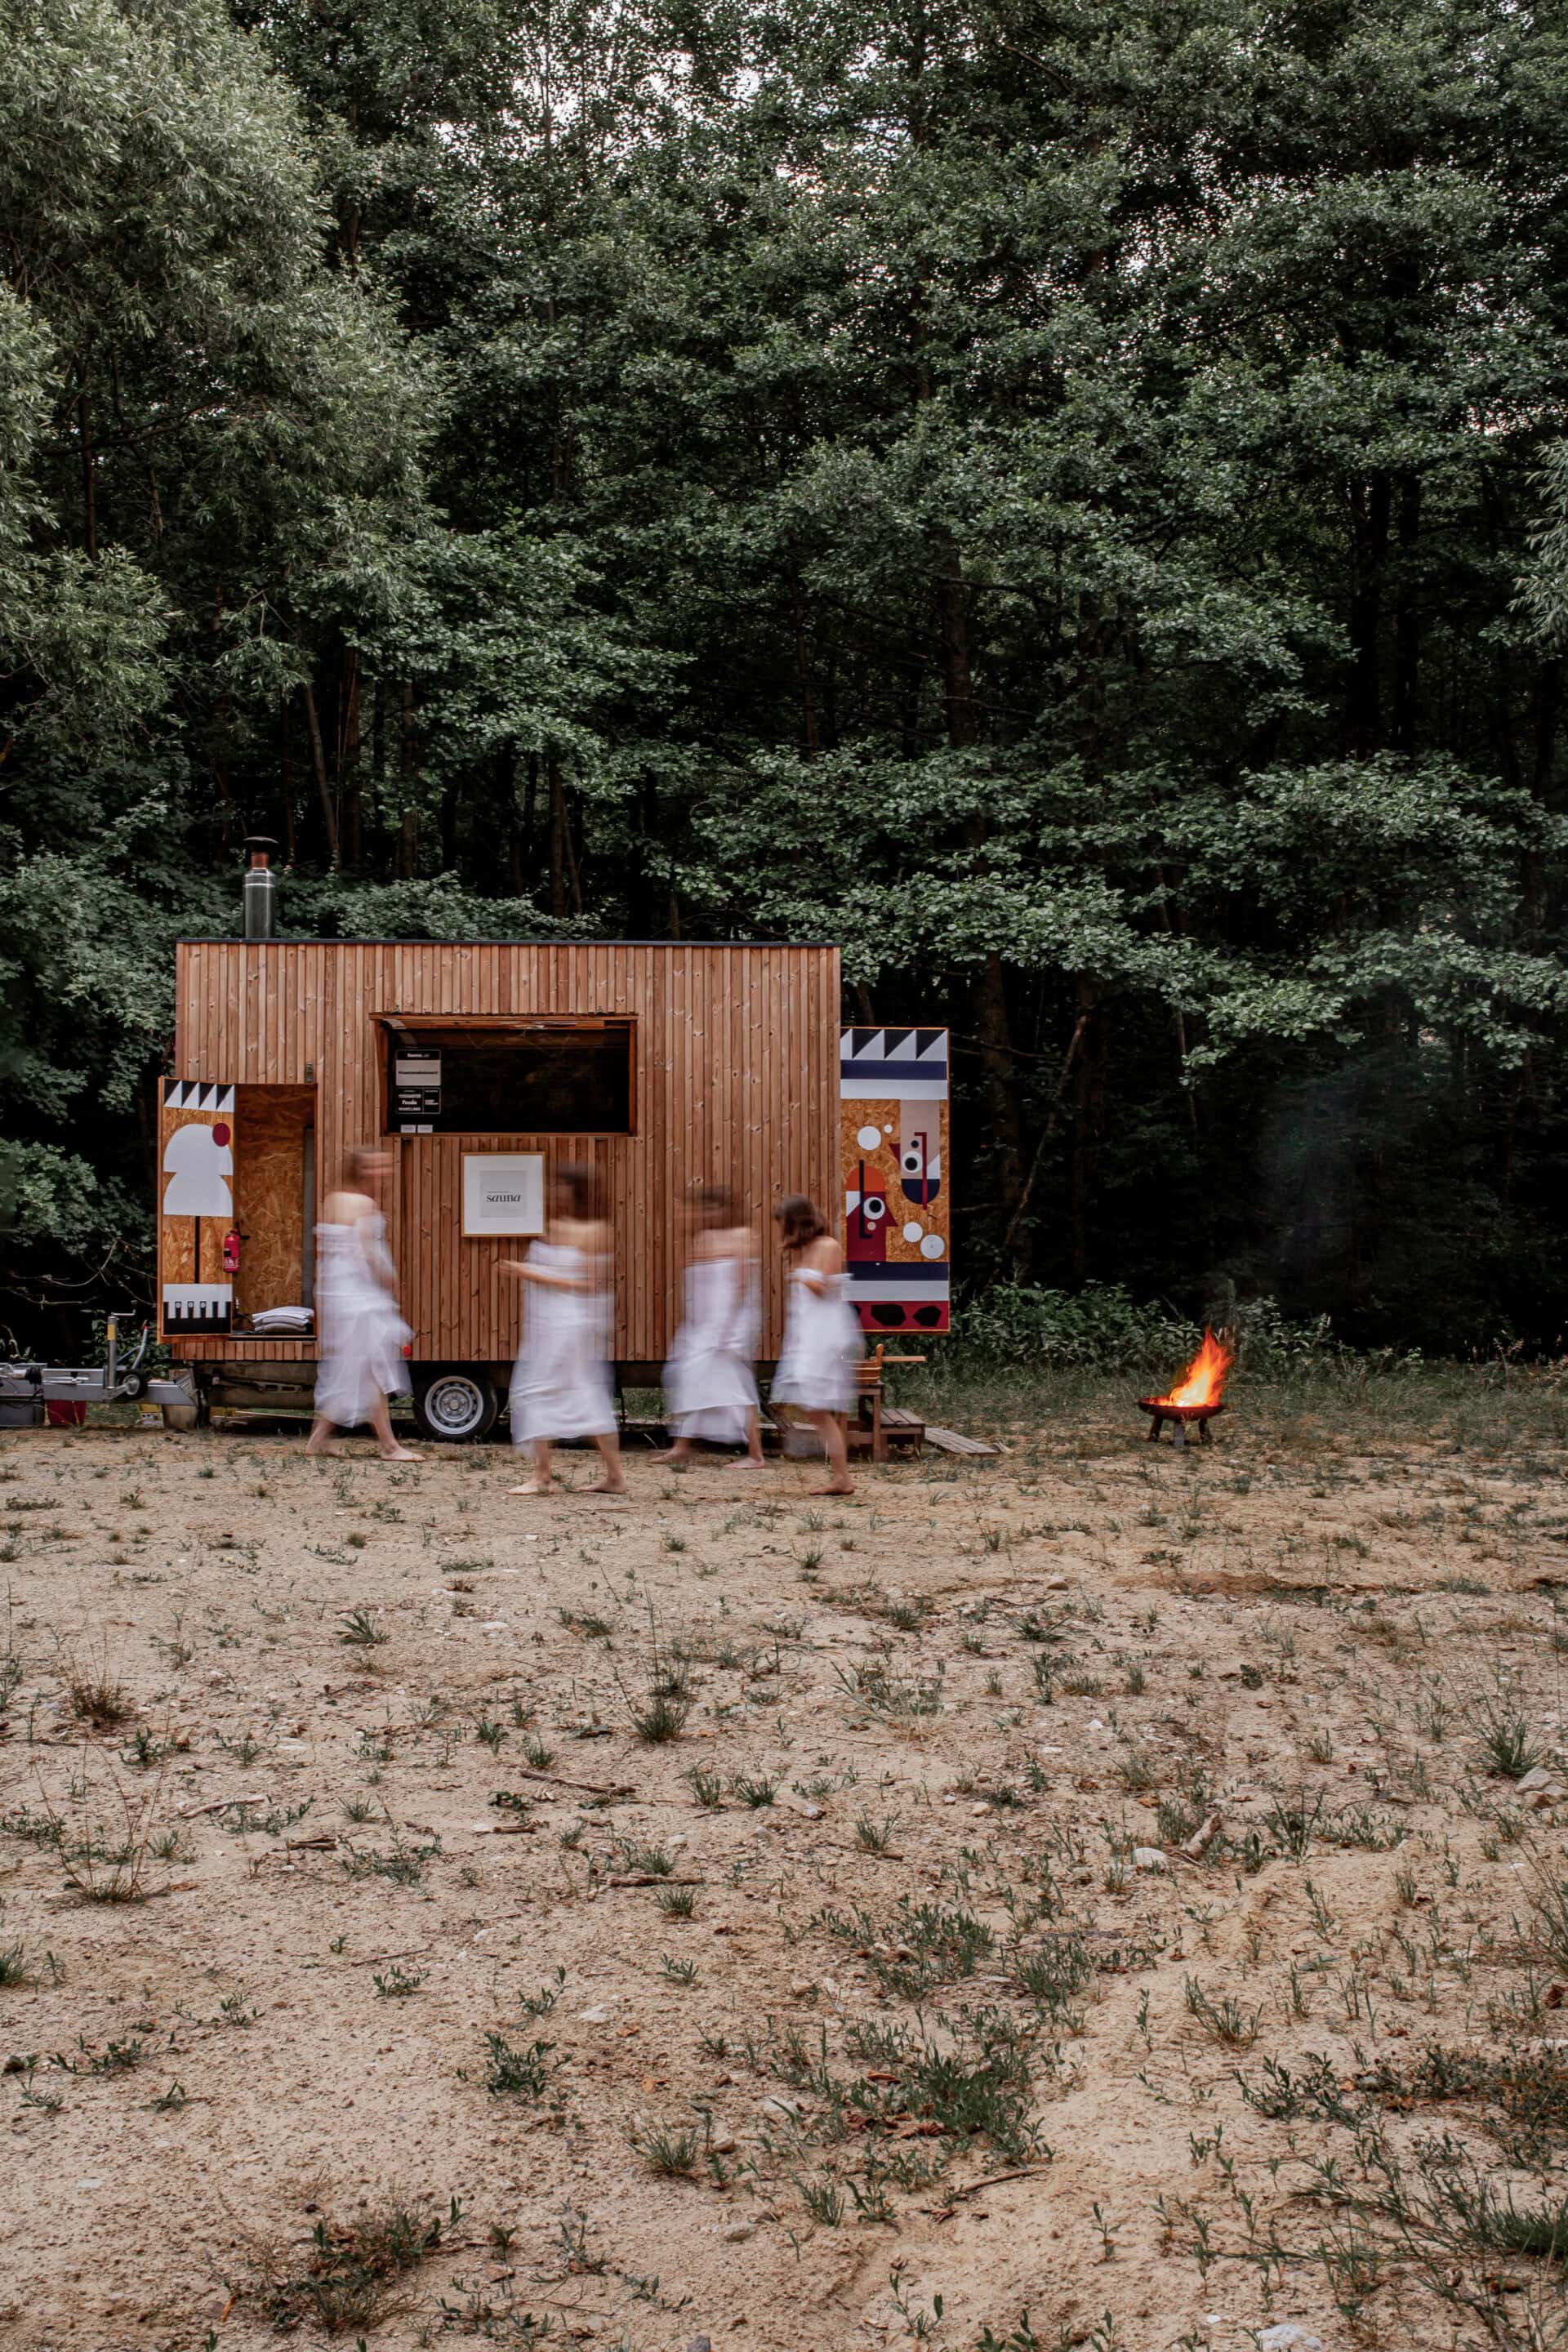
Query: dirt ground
[(1098, 1895)]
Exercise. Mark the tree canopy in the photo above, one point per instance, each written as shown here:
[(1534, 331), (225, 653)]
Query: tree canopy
[(1069, 503)]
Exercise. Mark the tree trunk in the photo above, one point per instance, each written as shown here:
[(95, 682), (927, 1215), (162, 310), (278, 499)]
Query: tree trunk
[(1049, 1129), (557, 837), (989, 995), (953, 625), (318, 760), (348, 780), (564, 874), (530, 816), (572, 875), (989, 1002), (1407, 619), (88, 487), (811, 732), (1089, 1113), (290, 846), (1546, 708), (408, 768), (1370, 506)]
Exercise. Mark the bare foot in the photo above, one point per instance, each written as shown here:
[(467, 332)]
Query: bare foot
[(674, 1461), (746, 1462), (535, 1487), (603, 1487), (329, 1453), (398, 1453), (840, 1488)]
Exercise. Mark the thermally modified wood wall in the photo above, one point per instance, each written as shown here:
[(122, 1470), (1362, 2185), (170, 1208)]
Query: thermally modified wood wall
[(736, 1082)]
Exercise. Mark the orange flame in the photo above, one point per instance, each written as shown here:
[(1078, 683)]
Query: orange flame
[(1205, 1381)]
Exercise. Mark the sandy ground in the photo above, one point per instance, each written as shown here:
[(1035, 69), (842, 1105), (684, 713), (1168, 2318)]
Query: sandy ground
[(375, 1782)]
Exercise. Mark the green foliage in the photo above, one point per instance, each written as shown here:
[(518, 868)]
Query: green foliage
[(1078, 520)]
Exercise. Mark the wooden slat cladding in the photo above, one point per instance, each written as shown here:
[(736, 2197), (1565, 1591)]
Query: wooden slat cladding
[(736, 1083)]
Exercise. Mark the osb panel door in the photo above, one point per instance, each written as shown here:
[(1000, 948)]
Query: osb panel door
[(195, 1208), (271, 1126)]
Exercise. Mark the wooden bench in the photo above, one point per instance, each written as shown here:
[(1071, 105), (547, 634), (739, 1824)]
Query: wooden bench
[(873, 1427), (876, 1424)]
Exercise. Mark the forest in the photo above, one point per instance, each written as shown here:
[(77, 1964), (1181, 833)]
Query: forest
[(1069, 503)]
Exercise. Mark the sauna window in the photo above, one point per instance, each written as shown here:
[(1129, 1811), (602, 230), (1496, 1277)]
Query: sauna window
[(553, 1078)]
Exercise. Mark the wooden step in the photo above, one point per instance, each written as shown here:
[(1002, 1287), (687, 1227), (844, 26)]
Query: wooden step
[(952, 1441)]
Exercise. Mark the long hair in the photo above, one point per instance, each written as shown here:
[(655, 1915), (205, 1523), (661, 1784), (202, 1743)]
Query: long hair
[(801, 1219), (714, 1204), (582, 1188)]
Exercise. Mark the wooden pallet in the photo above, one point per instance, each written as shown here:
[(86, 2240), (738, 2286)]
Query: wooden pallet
[(952, 1441)]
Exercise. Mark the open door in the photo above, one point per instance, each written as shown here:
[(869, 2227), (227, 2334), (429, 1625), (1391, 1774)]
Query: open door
[(195, 1208)]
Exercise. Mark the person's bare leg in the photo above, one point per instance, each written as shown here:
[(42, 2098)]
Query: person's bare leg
[(752, 1457), (321, 1431), (830, 1429), (387, 1444), (612, 1482), (541, 1481)]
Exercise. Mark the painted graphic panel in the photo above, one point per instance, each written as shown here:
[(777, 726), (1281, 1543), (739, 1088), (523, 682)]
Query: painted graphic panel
[(195, 1206), (894, 1128)]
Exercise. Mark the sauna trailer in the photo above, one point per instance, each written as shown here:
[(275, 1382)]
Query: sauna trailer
[(479, 1065)]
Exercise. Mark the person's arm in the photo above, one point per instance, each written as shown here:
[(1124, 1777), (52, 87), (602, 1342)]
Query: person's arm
[(546, 1276), (820, 1264)]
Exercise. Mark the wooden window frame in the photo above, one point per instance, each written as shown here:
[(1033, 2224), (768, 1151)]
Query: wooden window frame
[(390, 1024)]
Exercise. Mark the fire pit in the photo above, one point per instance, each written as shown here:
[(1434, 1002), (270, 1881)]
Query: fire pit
[(1196, 1399)]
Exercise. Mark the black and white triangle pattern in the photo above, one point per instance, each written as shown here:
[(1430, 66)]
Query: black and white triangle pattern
[(893, 1045), (193, 1094)]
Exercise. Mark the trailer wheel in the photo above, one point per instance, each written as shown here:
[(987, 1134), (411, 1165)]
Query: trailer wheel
[(458, 1404)]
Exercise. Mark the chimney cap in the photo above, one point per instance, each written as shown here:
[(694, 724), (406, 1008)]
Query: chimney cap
[(260, 841)]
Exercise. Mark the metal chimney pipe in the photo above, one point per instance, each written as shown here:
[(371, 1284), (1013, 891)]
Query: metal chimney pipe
[(260, 889)]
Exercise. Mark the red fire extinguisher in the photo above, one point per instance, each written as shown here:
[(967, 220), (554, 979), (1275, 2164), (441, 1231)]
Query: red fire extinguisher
[(231, 1250)]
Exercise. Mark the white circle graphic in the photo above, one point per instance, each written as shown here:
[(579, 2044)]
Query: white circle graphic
[(869, 1138), (933, 1245), (913, 1233)]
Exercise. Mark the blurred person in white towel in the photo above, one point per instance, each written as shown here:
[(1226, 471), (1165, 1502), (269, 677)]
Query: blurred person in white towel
[(822, 1341), (709, 1383), (362, 1335), (561, 1383)]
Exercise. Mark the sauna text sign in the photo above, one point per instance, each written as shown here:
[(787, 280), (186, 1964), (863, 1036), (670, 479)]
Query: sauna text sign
[(503, 1194)]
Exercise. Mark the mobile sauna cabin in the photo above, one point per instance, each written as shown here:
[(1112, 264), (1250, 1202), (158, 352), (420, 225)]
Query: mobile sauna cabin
[(479, 1066)]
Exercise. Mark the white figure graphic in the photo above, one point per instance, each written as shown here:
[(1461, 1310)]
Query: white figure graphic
[(198, 1162)]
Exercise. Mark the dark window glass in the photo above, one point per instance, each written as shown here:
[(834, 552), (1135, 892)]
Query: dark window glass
[(521, 1082)]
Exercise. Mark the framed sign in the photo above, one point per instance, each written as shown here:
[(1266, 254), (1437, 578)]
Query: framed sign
[(504, 1193)]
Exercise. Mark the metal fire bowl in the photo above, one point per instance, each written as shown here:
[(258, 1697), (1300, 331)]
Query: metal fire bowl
[(1179, 1412)]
